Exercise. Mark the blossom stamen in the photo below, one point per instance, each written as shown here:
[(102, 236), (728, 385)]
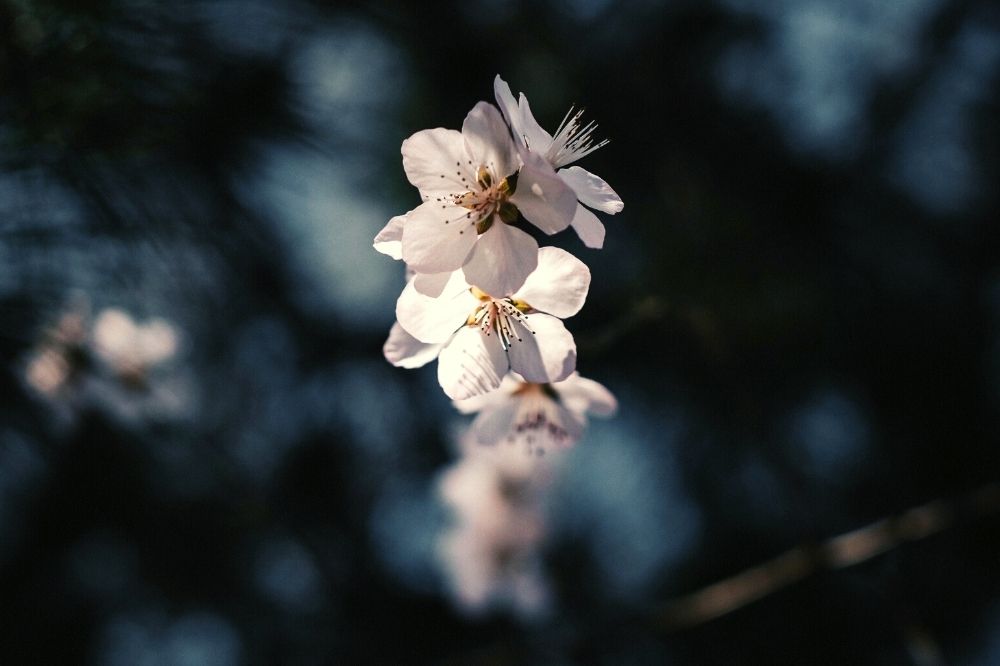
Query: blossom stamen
[(481, 206), (571, 141), (499, 315)]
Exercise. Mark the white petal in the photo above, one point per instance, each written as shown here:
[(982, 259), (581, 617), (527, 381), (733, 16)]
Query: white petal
[(489, 400), (493, 425), (591, 190), (389, 241), (508, 106), (548, 354), (581, 395), (155, 342), (437, 239), (558, 286), (405, 351), (432, 284), (573, 424), (488, 141), (471, 364), (501, 260), (435, 161), (115, 334), (542, 196), (435, 319), (537, 138), (588, 228)]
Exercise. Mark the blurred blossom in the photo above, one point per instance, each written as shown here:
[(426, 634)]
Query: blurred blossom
[(622, 492), (818, 63), (492, 552), (60, 353), (149, 638), (113, 363), (131, 348), (935, 159), (536, 417)]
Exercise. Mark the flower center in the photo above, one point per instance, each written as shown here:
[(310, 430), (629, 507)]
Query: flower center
[(503, 316), (491, 198)]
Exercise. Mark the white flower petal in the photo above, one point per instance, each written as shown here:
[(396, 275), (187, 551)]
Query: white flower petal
[(548, 354), (389, 241), (488, 141), (432, 284), (508, 385), (581, 395), (542, 196), (405, 351), (508, 106), (435, 319), (591, 190), (558, 286), (537, 138), (436, 238), (155, 342), (435, 162), (471, 364), (573, 424), (114, 334), (493, 425), (588, 228), (501, 260)]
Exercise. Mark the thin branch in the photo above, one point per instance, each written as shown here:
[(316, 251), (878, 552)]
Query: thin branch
[(838, 552)]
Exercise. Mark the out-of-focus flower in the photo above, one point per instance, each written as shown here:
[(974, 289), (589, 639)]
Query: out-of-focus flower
[(483, 336), (571, 142), (537, 417), (470, 201), (109, 363), (129, 348), (491, 553), (60, 355)]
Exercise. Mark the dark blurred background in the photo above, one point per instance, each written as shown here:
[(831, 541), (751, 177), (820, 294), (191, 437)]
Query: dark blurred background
[(798, 309)]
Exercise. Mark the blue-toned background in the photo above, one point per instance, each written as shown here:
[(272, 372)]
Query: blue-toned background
[(798, 309)]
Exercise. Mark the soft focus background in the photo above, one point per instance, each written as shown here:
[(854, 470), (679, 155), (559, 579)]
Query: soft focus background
[(798, 309)]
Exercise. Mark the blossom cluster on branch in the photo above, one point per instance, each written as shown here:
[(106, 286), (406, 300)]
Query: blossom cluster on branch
[(482, 298), (112, 361), (488, 303)]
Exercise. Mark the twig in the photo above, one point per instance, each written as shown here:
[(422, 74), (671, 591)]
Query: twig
[(838, 552)]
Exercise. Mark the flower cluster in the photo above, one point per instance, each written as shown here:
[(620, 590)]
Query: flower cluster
[(113, 361), (483, 298), (488, 303)]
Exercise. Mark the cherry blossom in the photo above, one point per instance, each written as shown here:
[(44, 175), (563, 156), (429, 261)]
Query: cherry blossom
[(571, 142), (491, 552), (112, 362), (482, 336), (470, 202), (130, 348), (537, 417)]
